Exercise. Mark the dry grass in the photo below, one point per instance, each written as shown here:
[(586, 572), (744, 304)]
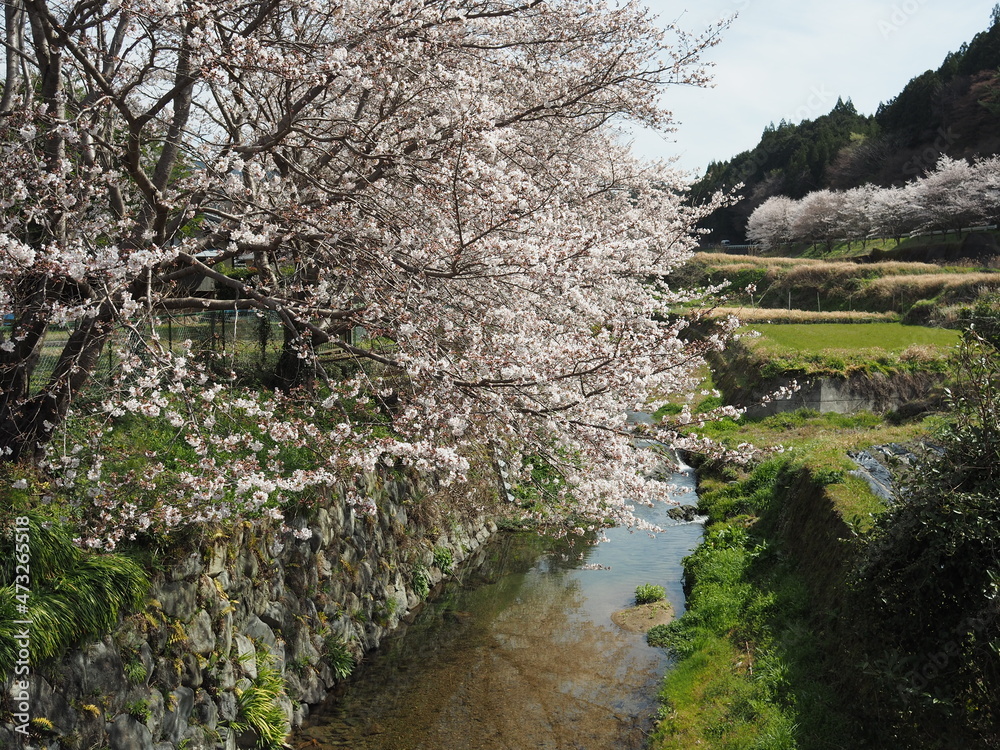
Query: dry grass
[(766, 315), (825, 273), (726, 260), (933, 285), (823, 285)]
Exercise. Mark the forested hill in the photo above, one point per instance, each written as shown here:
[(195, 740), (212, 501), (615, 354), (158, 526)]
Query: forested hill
[(953, 110)]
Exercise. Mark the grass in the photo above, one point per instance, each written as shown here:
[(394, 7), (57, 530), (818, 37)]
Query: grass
[(830, 285), (748, 674), (831, 350), (897, 290), (754, 315), (822, 442), (76, 596), (339, 656), (888, 245), (648, 593), (843, 337), (258, 706)]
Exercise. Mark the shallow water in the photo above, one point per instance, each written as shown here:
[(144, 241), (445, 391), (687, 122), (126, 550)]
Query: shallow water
[(521, 653)]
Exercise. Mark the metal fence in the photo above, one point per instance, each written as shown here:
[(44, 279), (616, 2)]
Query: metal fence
[(246, 342)]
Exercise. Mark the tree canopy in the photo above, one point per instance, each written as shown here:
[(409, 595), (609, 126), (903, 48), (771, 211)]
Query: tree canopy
[(445, 176)]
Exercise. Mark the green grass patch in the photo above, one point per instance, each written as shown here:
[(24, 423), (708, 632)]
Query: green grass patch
[(750, 669), (870, 337), (648, 593), (822, 442), (75, 596), (802, 351)]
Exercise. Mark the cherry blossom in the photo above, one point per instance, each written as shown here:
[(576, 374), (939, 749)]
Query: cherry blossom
[(447, 177)]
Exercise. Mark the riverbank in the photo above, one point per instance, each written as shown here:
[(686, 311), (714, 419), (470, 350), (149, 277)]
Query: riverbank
[(759, 663), (246, 626), (752, 669), (821, 616)]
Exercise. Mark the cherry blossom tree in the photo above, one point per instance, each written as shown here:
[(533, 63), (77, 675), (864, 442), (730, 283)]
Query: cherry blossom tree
[(818, 217), (945, 197), (771, 222), (444, 175), (985, 186), (893, 212), (854, 219)]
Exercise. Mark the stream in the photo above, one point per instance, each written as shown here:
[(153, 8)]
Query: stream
[(520, 651)]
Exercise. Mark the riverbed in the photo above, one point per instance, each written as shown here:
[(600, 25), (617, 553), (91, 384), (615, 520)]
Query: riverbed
[(520, 653)]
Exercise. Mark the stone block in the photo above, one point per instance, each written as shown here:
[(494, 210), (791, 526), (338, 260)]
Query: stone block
[(274, 615), (224, 639), (205, 711), (175, 720), (157, 710), (258, 630), (127, 733), (228, 708), (103, 670), (222, 676), (48, 704), (178, 599), (191, 675), (201, 639), (188, 567), (246, 656), (216, 559)]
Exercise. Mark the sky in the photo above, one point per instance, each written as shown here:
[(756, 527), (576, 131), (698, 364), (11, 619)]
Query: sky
[(782, 59)]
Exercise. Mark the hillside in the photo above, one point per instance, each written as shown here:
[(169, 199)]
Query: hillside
[(954, 110)]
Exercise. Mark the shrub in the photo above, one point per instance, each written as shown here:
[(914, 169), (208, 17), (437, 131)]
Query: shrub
[(648, 593), (444, 559), (339, 657), (927, 577), (921, 312), (76, 596), (138, 709), (258, 706), (659, 636), (421, 582)]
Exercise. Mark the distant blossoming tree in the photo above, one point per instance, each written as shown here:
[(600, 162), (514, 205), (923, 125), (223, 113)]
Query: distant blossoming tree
[(444, 175), (956, 194), (770, 224)]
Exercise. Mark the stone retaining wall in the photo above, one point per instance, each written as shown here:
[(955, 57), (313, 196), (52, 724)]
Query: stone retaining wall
[(170, 677)]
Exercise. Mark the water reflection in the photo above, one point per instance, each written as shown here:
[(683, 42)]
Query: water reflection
[(521, 654)]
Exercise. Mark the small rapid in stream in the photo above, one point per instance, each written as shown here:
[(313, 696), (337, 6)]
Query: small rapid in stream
[(520, 652)]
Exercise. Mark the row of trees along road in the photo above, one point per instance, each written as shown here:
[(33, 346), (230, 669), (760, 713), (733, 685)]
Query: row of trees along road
[(954, 195), (442, 174)]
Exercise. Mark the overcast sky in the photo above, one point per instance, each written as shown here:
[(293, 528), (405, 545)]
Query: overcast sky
[(792, 59)]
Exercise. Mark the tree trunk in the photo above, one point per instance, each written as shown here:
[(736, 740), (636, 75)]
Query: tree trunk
[(27, 425), (293, 371)]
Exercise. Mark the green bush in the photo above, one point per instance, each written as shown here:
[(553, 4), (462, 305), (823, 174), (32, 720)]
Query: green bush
[(76, 596), (339, 657), (138, 709), (444, 560), (421, 582), (648, 593), (258, 706), (921, 313), (659, 636), (927, 578)]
